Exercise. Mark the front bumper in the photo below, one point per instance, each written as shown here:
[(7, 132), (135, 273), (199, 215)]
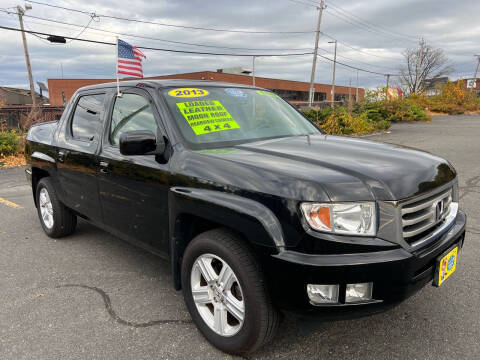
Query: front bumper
[(396, 274)]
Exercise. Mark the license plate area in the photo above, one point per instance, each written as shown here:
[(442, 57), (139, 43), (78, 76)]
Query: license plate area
[(446, 265)]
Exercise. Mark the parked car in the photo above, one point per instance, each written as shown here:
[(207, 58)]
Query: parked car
[(256, 209)]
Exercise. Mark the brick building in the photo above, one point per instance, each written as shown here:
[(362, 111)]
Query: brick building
[(296, 92)]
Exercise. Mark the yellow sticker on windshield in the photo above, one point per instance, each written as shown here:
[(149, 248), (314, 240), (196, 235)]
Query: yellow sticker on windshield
[(206, 116), (267, 93), (188, 92)]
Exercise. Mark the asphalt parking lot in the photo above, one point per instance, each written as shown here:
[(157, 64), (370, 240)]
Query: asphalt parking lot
[(93, 296)]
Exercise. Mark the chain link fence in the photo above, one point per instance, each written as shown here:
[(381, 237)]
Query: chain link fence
[(22, 116)]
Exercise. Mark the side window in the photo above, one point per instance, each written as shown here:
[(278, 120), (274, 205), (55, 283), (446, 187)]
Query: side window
[(86, 118), (131, 112)]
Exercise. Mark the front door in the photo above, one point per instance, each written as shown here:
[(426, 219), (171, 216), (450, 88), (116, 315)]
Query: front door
[(77, 164), (133, 189)]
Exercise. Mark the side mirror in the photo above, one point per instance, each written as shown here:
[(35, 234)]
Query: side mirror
[(140, 142)]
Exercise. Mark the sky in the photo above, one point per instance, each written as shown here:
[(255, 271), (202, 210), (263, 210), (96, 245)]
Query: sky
[(371, 35)]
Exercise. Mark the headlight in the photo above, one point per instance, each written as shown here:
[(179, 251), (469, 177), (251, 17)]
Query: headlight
[(356, 218)]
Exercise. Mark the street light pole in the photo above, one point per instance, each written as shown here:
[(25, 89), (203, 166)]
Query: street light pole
[(21, 11), (333, 77), (311, 92)]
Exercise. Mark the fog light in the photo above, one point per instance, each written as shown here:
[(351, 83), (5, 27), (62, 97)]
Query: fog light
[(323, 294), (358, 292)]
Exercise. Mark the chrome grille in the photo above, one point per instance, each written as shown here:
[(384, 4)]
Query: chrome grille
[(420, 216)]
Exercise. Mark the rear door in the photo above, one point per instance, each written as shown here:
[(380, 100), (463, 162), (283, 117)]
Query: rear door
[(77, 163), (133, 189)]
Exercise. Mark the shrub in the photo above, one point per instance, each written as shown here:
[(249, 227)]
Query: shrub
[(453, 98), (9, 141), (392, 110), (318, 116), (383, 124), (341, 122)]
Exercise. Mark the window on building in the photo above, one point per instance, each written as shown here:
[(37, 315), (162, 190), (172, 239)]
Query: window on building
[(320, 96), (86, 119), (131, 112)]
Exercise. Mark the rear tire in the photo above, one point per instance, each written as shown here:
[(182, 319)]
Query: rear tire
[(56, 219), (220, 251)]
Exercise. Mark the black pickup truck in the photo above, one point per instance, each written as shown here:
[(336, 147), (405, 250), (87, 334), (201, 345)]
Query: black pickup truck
[(256, 209)]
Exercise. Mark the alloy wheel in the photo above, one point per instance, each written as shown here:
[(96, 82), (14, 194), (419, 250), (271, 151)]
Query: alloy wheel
[(46, 209), (217, 295)]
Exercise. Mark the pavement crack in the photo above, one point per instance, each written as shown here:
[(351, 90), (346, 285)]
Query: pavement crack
[(108, 306)]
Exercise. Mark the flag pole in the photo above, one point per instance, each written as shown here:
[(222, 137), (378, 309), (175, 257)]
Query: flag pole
[(118, 80)]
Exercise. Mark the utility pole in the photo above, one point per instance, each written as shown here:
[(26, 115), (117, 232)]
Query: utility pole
[(333, 77), (311, 93), (356, 91), (253, 70), (21, 11), (386, 89), (350, 95)]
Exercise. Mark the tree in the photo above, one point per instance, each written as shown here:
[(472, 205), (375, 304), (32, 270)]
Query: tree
[(422, 63)]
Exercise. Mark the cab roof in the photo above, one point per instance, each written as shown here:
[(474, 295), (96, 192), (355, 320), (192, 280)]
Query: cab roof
[(165, 83)]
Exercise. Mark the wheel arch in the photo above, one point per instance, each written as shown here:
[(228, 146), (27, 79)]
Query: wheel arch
[(37, 175), (194, 211)]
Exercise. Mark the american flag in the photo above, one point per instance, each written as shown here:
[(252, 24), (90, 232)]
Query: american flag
[(129, 59)]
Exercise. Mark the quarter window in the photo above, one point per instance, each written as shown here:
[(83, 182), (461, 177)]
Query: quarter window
[(131, 112), (87, 117)]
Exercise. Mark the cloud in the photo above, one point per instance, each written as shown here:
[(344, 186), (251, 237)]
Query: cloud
[(379, 30)]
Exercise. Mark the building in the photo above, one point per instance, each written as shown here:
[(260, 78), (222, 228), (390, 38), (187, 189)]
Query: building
[(296, 92), (433, 86), (15, 96), (472, 83)]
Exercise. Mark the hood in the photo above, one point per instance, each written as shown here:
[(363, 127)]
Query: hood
[(324, 167)]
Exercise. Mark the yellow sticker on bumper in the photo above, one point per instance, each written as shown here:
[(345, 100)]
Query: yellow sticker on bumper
[(206, 116), (447, 265), (188, 92)]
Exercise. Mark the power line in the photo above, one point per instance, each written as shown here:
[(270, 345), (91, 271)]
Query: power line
[(195, 52), (356, 60), (356, 49), (304, 3), (357, 21), (172, 25), (159, 39), (333, 38), (156, 49), (367, 28), (360, 20), (92, 18), (184, 43), (357, 68)]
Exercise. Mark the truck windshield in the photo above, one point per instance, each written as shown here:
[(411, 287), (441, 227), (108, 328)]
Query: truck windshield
[(210, 117)]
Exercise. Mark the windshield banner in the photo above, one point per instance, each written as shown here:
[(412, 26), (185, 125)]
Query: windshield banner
[(206, 116)]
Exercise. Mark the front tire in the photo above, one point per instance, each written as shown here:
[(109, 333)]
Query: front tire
[(56, 219), (226, 294)]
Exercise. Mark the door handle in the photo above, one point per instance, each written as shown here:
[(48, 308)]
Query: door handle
[(61, 156), (104, 167)]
